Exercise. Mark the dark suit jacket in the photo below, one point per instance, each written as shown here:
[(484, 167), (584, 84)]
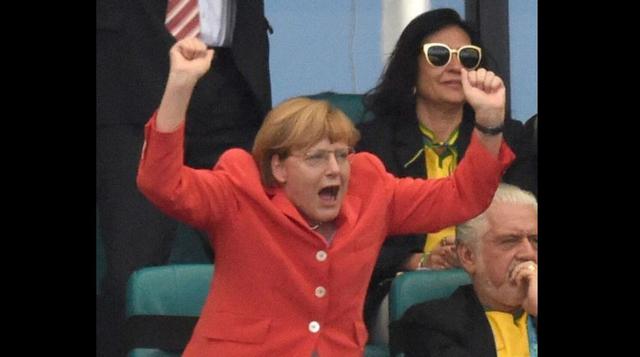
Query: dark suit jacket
[(132, 57), (452, 327), (525, 169)]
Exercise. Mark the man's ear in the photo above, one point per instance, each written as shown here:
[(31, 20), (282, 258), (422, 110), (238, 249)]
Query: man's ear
[(467, 258), (278, 169)]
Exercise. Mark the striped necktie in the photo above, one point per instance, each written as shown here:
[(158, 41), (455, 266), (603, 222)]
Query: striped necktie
[(182, 18)]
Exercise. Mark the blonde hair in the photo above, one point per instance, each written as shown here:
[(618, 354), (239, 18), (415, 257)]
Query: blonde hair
[(297, 124), (472, 230)]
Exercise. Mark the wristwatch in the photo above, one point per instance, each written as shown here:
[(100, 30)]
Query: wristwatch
[(490, 131)]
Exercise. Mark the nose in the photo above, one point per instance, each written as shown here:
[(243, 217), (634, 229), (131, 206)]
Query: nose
[(455, 61), (332, 164), (527, 250)]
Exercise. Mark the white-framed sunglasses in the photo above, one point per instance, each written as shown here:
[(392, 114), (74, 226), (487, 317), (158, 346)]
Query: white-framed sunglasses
[(439, 54)]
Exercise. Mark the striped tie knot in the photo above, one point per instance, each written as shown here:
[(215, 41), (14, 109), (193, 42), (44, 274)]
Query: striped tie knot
[(182, 18)]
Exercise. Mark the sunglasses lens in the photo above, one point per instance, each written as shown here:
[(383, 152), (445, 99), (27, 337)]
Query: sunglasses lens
[(469, 57), (438, 55)]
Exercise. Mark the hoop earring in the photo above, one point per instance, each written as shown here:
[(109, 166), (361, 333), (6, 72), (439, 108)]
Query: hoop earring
[(413, 91)]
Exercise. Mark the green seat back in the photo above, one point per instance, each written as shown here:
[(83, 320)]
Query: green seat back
[(151, 352), (414, 287), (350, 104), (189, 247), (376, 351), (174, 290), (168, 290)]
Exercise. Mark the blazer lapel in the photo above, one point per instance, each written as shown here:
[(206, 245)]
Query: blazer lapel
[(407, 142), (282, 202), (466, 128), (347, 218)]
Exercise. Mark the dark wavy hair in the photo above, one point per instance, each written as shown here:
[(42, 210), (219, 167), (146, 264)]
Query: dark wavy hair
[(393, 96)]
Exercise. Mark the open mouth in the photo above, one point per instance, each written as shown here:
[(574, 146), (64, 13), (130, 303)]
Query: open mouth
[(329, 193)]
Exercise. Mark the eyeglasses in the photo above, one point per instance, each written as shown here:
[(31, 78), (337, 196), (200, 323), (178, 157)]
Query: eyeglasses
[(320, 158), (439, 54)]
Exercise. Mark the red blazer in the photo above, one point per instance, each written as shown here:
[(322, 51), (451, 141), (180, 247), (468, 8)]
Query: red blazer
[(279, 289)]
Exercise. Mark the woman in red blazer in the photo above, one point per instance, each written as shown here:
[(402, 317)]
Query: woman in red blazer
[(297, 224)]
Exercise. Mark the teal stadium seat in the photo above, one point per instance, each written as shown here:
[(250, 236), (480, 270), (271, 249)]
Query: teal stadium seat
[(178, 291), (376, 351), (350, 104), (163, 304), (415, 287), (151, 352), (189, 247)]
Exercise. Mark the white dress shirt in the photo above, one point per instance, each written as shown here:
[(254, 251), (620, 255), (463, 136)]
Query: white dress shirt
[(217, 21)]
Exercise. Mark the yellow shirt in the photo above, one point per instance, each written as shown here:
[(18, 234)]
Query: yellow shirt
[(439, 165), (509, 333)]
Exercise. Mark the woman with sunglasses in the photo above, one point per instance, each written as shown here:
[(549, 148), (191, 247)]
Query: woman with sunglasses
[(422, 128), (297, 224)]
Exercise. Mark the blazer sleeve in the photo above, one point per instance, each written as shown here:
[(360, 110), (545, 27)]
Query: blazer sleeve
[(197, 197), (420, 205)]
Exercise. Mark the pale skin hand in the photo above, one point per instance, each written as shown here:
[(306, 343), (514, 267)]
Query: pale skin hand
[(413, 263), (526, 274), (486, 93), (442, 257), (190, 60)]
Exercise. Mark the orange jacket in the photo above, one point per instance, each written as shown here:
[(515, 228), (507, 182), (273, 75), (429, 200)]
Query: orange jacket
[(279, 289)]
